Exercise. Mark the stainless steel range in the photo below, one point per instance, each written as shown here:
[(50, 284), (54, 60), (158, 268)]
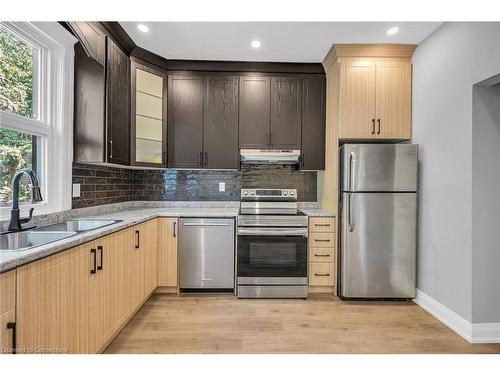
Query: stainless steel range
[(271, 245)]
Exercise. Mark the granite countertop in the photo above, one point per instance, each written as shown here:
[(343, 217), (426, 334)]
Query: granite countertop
[(317, 212), (12, 259), (130, 213)]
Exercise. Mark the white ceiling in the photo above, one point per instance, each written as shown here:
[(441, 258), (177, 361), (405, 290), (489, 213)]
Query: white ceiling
[(281, 41)]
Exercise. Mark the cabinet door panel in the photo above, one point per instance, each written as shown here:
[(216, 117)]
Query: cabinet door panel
[(285, 112), (167, 252), (221, 122), (185, 121), (393, 100), (357, 100), (118, 104), (150, 248), (52, 303), (254, 111), (313, 123)]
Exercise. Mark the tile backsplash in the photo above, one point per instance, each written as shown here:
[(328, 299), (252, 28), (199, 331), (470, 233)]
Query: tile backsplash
[(105, 185)]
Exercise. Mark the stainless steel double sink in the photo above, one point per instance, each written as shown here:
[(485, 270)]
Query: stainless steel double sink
[(28, 239)]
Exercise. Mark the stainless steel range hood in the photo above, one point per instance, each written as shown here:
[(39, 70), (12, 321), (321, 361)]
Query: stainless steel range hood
[(269, 156)]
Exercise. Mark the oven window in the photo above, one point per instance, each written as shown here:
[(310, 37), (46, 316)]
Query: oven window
[(264, 254), (272, 256)]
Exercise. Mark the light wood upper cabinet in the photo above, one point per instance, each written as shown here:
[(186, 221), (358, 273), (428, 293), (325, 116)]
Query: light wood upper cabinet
[(375, 99), (393, 100), (357, 100), (374, 85), (167, 252)]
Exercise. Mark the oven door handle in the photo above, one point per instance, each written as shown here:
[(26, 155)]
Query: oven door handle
[(298, 232)]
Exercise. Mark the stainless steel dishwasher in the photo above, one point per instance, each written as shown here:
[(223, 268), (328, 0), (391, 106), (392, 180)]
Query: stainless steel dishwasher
[(206, 254)]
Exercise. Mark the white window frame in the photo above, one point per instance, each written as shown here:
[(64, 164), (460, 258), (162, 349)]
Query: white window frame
[(54, 113)]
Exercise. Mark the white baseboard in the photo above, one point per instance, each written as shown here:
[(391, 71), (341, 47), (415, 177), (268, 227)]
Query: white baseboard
[(473, 332)]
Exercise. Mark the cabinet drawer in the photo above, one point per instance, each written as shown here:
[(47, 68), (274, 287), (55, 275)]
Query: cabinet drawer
[(322, 274), (321, 240), (321, 254), (321, 224)]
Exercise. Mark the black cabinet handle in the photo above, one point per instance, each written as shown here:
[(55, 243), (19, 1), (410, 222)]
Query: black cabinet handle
[(378, 131), (321, 240), (164, 157), (111, 149), (137, 239), (201, 159), (321, 274), (93, 252), (321, 255), (99, 267), (321, 225), (175, 225), (373, 126), (206, 158), (12, 326)]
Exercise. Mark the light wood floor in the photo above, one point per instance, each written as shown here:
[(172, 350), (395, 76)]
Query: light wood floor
[(320, 324)]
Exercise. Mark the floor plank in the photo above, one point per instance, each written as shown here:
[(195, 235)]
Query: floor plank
[(320, 324)]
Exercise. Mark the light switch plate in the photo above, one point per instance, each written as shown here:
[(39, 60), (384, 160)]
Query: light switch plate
[(222, 186), (76, 190)]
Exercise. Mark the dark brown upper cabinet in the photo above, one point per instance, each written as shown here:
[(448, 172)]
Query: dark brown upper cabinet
[(148, 115), (254, 111), (285, 112), (185, 121), (220, 126), (313, 123), (118, 104), (102, 107), (92, 39)]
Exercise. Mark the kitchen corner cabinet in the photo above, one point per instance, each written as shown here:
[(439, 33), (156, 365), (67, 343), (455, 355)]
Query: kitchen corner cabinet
[(322, 254), (375, 98), (77, 300), (148, 115), (168, 229), (313, 123), (203, 121), (102, 105), (7, 312)]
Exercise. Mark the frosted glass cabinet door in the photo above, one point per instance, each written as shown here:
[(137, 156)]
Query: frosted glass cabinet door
[(149, 116)]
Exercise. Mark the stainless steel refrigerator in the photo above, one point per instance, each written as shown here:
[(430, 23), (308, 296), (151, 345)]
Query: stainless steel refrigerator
[(378, 218)]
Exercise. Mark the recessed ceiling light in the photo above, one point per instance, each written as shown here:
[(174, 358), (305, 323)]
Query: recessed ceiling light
[(393, 30), (143, 28), (255, 44)]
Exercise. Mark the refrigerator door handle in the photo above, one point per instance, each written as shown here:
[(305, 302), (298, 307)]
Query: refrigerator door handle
[(352, 165), (349, 213)]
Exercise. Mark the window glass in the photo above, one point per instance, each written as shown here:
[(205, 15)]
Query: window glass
[(17, 151), (18, 63)]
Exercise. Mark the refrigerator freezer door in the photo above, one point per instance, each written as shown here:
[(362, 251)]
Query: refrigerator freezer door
[(378, 245), (378, 167)]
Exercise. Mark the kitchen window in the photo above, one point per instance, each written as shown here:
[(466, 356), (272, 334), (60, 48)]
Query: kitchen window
[(36, 112)]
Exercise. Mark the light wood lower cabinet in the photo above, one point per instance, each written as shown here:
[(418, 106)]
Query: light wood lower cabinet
[(76, 301), (322, 255), (7, 311), (168, 229)]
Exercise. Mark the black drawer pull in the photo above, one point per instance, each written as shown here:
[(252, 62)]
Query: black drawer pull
[(321, 240), (137, 239), (12, 326), (321, 255), (93, 252), (99, 267), (322, 225), (321, 274), (175, 225)]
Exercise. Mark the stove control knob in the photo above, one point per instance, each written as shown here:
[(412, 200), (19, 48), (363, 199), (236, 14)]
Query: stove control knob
[(292, 193), (252, 193), (285, 193), (245, 193)]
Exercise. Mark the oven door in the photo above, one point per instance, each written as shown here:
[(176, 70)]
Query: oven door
[(265, 254)]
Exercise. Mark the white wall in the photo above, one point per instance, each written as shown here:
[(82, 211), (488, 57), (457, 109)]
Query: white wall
[(446, 66), (486, 205)]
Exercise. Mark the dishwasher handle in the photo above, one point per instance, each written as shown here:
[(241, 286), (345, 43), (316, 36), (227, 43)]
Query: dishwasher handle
[(201, 224)]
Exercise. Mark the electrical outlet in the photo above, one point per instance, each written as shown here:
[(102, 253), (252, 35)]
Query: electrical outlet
[(76, 190), (222, 186)]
